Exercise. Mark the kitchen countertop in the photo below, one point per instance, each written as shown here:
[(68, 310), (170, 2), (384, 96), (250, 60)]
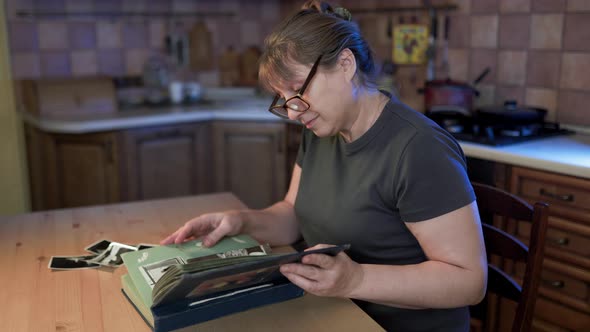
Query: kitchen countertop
[(248, 109), (569, 155)]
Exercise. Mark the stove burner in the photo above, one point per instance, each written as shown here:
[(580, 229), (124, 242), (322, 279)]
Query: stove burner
[(468, 129)]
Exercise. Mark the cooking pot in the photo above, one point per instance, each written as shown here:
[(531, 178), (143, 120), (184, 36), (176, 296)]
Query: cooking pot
[(450, 96), (510, 114)]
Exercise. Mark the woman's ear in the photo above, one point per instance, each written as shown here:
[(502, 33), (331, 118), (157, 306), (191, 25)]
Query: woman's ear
[(347, 63)]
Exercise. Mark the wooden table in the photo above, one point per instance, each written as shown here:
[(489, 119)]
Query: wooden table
[(34, 298)]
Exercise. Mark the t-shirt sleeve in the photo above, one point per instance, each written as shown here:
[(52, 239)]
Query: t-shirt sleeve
[(431, 179)]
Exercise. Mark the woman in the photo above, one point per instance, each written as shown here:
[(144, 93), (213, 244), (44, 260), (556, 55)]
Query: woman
[(370, 172)]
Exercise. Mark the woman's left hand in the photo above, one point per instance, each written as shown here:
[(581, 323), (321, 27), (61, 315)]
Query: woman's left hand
[(325, 275)]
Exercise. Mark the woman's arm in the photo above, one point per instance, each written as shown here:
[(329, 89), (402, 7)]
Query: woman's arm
[(277, 224), (454, 275)]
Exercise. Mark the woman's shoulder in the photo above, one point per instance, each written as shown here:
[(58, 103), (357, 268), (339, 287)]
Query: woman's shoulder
[(411, 126)]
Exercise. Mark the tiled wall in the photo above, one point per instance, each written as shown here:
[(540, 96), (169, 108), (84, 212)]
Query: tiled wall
[(85, 45), (539, 51)]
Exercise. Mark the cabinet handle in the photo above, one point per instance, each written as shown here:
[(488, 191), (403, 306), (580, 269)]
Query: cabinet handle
[(565, 198), (562, 241), (555, 283)]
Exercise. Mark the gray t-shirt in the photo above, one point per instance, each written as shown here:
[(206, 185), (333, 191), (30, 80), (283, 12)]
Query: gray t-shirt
[(403, 169)]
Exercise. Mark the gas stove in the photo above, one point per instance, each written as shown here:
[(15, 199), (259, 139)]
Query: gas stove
[(469, 129)]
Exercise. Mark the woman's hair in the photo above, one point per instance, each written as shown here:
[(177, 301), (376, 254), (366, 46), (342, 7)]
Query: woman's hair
[(317, 29)]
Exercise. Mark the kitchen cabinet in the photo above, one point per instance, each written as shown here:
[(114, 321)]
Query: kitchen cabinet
[(250, 161), (166, 161), (72, 170), (563, 303), (244, 157)]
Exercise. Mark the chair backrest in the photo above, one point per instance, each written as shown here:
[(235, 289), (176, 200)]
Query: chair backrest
[(498, 242)]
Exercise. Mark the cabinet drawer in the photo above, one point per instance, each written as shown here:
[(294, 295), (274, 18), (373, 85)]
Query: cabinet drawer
[(552, 188), (564, 235), (559, 315)]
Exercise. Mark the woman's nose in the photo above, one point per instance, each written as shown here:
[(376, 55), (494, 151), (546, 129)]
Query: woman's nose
[(292, 114)]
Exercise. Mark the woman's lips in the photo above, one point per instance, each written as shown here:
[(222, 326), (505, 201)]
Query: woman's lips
[(309, 123)]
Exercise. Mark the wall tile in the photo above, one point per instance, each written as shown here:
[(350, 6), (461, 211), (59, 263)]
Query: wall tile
[(26, 65), (464, 6), (504, 93), (543, 98), (134, 60), (543, 69), (230, 37), (24, 36), (479, 60), (484, 31), (546, 31), (549, 6), (107, 5), (512, 67), (515, 6), (573, 108), (108, 34), (459, 28), (135, 35), (249, 9), (459, 64), (55, 64), (184, 6), (578, 5), (574, 71), (484, 6), (486, 95), (250, 33), (269, 10), (134, 5), (159, 6), (209, 5), (576, 36), (13, 6), (514, 32), (84, 63), (50, 5), (110, 62), (157, 33), (209, 78), (82, 35), (79, 5), (53, 36)]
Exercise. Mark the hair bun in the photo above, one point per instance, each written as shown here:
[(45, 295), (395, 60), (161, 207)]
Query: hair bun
[(325, 8), (343, 13)]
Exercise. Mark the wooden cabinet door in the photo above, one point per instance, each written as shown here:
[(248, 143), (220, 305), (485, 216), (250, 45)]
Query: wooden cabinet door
[(167, 161), (250, 161), (80, 170)]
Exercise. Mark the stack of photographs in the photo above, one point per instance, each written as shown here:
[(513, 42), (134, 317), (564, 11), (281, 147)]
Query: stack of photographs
[(103, 253)]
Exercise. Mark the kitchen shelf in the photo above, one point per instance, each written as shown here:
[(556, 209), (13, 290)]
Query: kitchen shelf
[(116, 14)]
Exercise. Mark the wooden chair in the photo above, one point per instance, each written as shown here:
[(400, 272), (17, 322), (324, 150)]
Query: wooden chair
[(496, 202)]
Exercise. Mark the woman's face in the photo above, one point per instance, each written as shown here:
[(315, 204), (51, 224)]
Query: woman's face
[(329, 95)]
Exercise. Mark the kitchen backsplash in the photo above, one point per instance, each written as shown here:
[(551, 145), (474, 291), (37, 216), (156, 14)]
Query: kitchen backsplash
[(538, 50), (85, 45)]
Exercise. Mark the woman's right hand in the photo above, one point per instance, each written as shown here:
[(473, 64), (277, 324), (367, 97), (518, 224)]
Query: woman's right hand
[(212, 227)]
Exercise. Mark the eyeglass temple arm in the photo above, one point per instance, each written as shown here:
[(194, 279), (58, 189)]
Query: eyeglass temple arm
[(311, 74)]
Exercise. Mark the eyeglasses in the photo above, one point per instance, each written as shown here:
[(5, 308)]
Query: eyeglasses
[(280, 106)]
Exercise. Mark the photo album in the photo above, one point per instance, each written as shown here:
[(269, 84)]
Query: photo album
[(178, 285)]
